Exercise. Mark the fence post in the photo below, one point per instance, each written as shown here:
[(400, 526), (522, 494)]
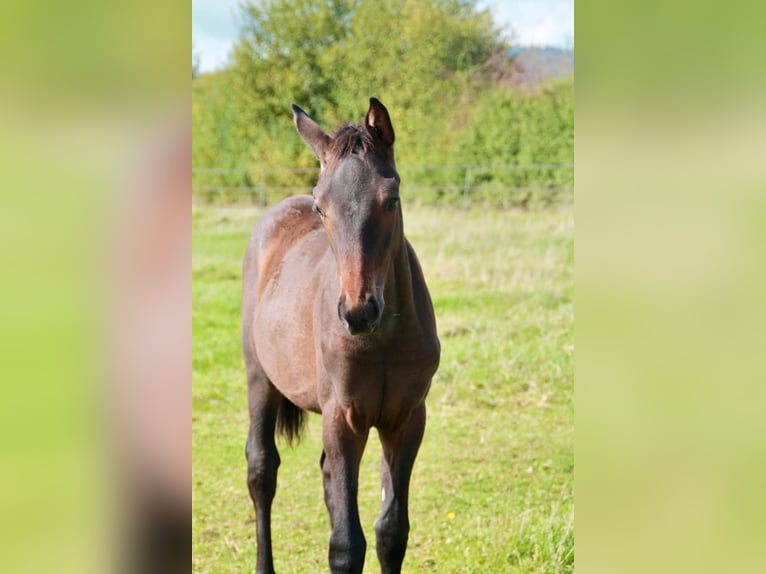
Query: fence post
[(467, 186), (262, 190)]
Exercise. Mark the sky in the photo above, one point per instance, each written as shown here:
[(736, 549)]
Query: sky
[(529, 22)]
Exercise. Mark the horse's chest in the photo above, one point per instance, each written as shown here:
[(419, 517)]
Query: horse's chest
[(378, 391)]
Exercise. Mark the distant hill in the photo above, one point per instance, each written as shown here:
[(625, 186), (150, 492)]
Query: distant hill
[(529, 67)]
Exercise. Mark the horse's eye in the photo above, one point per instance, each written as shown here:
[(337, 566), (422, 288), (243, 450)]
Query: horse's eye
[(318, 210), (390, 204)]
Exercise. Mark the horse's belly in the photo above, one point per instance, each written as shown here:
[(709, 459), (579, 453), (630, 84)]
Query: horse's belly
[(288, 360), (284, 344)]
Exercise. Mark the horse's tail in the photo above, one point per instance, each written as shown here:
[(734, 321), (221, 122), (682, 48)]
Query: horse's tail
[(290, 421)]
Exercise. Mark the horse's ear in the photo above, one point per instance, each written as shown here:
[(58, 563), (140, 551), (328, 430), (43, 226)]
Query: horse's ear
[(378, 122), (311, 133)]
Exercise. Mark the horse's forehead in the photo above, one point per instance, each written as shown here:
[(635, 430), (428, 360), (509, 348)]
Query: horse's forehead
[(354, 179), (352, 170)]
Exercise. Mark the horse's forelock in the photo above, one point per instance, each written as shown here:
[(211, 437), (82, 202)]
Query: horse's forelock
[(345, 140)]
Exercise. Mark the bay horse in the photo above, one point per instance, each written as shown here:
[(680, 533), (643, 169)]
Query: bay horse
[(337, 320)]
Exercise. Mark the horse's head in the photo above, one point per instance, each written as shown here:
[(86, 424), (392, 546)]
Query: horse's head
[(357, 198)]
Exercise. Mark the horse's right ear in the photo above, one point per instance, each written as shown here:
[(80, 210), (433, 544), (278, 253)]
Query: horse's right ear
[(378, 122), (311, 133)]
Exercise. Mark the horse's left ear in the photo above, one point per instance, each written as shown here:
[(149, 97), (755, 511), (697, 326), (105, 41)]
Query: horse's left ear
[(378, 122), (311, 133)]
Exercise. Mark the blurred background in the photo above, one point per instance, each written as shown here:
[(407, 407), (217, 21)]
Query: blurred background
[(95, 337)]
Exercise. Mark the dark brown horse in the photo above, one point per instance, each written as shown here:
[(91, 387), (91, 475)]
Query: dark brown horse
[(337, 320)]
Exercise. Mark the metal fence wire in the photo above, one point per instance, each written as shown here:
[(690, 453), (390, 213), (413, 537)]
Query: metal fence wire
[(496, 185)]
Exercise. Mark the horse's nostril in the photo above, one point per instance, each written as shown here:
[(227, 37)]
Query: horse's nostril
[(362, 319), (371, 308)]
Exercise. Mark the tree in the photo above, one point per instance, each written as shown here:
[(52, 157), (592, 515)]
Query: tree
[(331, 56)]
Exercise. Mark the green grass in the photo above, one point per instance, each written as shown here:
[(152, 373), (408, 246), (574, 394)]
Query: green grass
[(492, 489)]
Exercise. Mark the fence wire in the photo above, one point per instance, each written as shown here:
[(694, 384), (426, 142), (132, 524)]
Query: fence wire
[(501, 185)]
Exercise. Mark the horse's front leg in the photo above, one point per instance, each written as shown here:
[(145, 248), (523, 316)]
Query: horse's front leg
[(400, 447), (343, 449)]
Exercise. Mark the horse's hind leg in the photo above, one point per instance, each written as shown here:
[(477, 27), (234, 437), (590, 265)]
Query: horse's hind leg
[(400, 447), (262, 459)]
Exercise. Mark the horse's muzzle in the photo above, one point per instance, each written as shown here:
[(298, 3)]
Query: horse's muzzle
[(362, 319)]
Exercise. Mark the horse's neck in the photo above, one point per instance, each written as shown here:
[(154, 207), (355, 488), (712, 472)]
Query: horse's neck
[(398, 295)]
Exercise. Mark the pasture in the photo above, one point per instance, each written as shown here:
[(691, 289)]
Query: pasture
[(492, 488)]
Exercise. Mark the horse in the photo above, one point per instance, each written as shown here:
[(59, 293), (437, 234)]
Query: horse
[(337, 320)]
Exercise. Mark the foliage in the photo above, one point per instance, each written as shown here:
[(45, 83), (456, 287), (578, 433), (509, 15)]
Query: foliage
[(215, 138), (426, 60), (492, 489)]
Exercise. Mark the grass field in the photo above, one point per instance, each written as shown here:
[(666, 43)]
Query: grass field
[(492, 489)]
